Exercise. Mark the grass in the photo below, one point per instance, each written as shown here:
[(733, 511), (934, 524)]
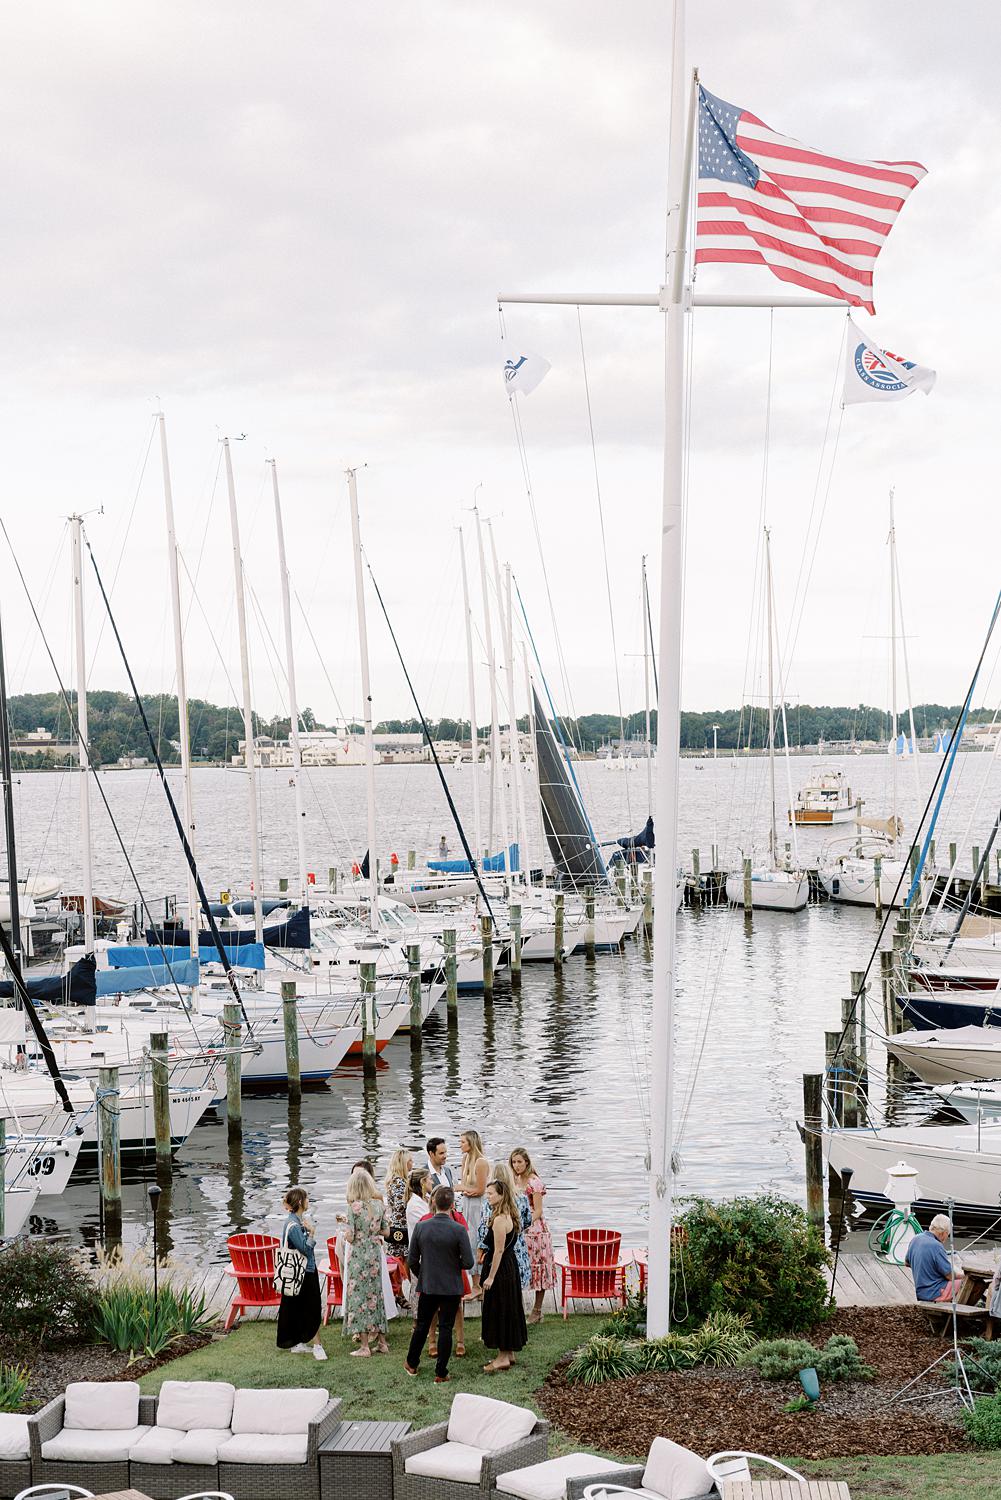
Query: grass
[(377, 1388)]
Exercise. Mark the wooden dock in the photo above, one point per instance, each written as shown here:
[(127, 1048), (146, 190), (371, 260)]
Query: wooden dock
[(864, 1281)]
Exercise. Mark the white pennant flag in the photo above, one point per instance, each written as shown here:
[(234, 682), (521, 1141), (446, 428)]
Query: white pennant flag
[(873, 374), (524, 373)]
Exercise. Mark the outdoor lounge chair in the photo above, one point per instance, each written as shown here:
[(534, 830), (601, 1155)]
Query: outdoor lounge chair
[(593, 1268), (180, 1452), (87, 1433), (54, 1492), (15, 1453), (273, 1453), (462, 1458), (253, 1266), (733, 1465), (671, 1473)]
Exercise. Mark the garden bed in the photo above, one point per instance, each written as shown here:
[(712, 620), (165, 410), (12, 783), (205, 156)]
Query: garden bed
[(53, 1369), (709, 1410)]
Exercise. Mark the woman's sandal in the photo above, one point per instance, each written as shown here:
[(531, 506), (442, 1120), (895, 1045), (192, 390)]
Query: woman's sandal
[(459, 1351), (361, 1353)]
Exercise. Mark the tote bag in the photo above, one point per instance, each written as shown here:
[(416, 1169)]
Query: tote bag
[(290, 1268)]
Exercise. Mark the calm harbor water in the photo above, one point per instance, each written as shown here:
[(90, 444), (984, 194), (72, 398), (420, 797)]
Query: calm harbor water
[(562, 1067)]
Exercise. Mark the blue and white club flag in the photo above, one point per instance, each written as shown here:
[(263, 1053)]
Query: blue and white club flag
[(524, 372), (873, 374)]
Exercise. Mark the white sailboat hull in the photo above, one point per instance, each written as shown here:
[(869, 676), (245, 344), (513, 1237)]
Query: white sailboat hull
[(771, 890), (958, 1163), (46, 1161), (853, 881), (962, 1054), (18, 1204)]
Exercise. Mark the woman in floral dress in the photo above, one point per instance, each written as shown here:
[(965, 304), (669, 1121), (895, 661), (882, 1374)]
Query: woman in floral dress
[(364, 1302), (538, 1240)]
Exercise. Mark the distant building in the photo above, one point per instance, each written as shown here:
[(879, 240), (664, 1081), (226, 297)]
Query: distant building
[(132, 762), (41, 742)]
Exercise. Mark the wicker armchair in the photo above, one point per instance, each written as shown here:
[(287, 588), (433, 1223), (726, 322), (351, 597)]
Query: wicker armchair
[(103, 1477), (624, 1479), (15, 1468), (532, 1449), (667, 1464), (270, 1481)]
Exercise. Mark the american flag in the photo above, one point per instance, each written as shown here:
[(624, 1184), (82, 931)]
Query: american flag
[(764, 199)]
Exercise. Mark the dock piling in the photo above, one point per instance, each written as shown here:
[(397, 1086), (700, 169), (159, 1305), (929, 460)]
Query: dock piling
[(696, 878), (231, 1031), (368, 1022), (558, 933), (514, 914), (451, 984), (647, 899), (849, 1061), (414, 984), (813, 1146), (332, 880), (877, 875), (290, 1020), (487, 940), (3, 1183), (411, 859), (860, 989), (747, 888), (160, 1078), (589, 936), (108, 1100)]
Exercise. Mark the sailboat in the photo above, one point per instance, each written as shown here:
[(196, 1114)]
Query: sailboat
[(774, 886)]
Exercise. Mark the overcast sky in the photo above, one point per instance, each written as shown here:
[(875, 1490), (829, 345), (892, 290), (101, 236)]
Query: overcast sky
[(293, 223)]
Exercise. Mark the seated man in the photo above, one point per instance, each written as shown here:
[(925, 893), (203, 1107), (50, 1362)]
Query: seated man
[(930, 1266)]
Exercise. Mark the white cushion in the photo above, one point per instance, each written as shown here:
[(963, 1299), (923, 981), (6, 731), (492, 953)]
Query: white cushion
[(195, 1403), (200, 1445), (264, 1448), (456, 1461), (13, 1435), (548, 1480), (156, 1446), (482, 1422), (101, 1446), (674, 1472), (277, 1411), (99, 1406)]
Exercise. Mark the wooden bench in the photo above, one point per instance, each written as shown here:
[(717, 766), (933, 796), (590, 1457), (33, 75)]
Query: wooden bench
[(944, 1311)]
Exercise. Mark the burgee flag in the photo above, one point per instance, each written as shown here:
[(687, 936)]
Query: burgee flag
[(524, 372), (816, 220), (873, 374)]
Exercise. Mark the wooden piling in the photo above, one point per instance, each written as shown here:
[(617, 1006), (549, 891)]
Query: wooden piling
[(451, 981), (111, 1154), (514, 913), (847, 1060), (368, 1053), (833, 1062), (647, 899), (860, 989), (332, 880), (160, 1078), (558, 933), (290, 1019), (411, 859), (589, 921), (915, 857), (748, 905), (696, 878), (3, 1175), (414, 970), (931, 853), (487, 941), (231, 1030), (813, 1148), (886, 976), (952, 859), (282, 884), (877, 875)]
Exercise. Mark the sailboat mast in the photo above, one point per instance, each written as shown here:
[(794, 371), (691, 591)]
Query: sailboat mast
[(772, 831), (519, 790), (533, 760), (366, 693), (496, 768), (183, 734), (7, 779), (293, 701), (893, 669), (467, 613), (250, 755), (646, 693), (83, 735)]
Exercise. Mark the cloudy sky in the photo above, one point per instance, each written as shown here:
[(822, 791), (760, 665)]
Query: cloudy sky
[(293, 222)]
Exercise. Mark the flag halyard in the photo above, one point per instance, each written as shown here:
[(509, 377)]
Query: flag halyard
[(815, 220)]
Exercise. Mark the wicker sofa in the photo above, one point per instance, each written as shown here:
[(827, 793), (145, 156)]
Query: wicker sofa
[(15, 1454), (196, 1435), (461, 1459)]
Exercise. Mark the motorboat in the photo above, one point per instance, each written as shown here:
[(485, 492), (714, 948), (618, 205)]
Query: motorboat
[(955, 1164), (825, 799)]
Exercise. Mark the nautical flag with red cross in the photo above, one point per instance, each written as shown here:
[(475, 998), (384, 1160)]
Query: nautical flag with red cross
[(815, 220)]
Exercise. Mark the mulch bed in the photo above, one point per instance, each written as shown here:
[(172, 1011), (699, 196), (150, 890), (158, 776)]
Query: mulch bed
[(712, 1410), (52, 1369)]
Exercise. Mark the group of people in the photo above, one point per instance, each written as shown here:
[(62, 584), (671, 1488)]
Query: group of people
[(477, 1231)]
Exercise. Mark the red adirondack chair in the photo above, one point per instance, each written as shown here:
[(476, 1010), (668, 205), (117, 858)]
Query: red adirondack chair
[(253, 1265), (335, 1284), (593, 1268)]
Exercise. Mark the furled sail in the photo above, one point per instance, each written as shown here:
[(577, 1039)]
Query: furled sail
[(568, 832), (293, 933), (76, 987)]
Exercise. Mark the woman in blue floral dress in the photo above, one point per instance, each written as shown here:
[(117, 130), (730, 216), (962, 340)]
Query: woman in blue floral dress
[(367, 1228), (502, 1173)]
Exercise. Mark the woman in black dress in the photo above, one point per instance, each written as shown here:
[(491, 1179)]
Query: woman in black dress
[(503, 1326), (299, 1318)]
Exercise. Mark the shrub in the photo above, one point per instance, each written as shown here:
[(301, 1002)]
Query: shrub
[(983, 1365), (782, 1359), (672, 1352), (721, 1341), (983, 1423), (627, 1322), (13, 1384), (760, 1257), (602, 1358), (46, 1296), (798, 1404), (130, 1319)]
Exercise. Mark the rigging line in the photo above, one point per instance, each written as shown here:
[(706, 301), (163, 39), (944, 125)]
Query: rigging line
[(650, 637), (125, 538), (941, 773), (178, 823), (604, 554), (34, 1020), (320, 658), (791, 648), (75, 727), (473, 864)]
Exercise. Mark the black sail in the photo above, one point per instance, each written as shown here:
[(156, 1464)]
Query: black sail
[(568, 833)]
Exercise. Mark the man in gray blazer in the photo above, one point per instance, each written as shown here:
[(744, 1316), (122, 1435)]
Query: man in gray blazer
[(438, 1254)]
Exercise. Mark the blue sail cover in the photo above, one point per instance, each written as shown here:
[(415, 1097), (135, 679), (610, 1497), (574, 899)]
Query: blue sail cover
[(132, 977), (291, 934), (638, 844), (174, 960), (78, 987), (492, 865)]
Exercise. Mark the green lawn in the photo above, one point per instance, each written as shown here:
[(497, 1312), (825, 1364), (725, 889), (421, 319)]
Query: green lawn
[(378, 1388)]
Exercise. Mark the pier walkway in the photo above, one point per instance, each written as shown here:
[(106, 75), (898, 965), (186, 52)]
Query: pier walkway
[(864, 1281)]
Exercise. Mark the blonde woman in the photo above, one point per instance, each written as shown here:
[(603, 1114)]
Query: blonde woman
[(538, 1240), (501, 1172), (364, 1301), (472, 1185), (401, 1164), (503, 1327)]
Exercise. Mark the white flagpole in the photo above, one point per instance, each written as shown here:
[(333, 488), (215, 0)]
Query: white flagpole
[(293, 698), (467, 612), (366, 692), (83, 740), (250, 752)]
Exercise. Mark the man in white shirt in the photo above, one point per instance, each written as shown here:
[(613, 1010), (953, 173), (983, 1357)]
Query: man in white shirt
[(441, 1174)]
